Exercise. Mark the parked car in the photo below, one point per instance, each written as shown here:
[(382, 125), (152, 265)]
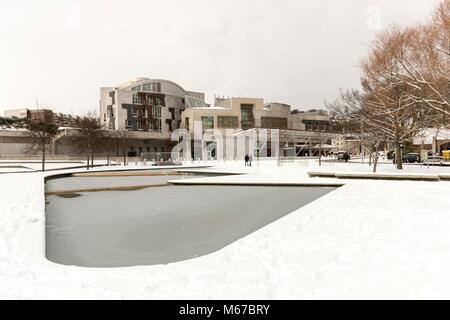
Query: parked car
[(411, 158), (342, 155), (391, 155), (435, 160)]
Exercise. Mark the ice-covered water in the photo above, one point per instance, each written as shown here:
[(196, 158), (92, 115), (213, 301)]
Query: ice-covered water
[(162, 224)]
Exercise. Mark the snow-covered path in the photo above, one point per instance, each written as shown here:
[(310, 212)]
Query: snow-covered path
[(367, 239)]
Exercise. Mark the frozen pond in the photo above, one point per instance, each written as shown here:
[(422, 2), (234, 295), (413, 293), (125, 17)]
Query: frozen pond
[(80, 183), (161, 225)]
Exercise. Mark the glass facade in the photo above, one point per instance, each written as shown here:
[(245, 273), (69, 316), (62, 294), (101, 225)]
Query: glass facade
[(207, 123), (273, 123), (153, 87), (192, 102), (227, 122), (316, 125), (247, 116)]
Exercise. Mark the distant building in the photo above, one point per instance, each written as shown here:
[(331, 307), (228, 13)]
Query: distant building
[(47, 115), (17, 113), (311, 120), (63, 120), (433, 140), (347, 142), (44, 115)]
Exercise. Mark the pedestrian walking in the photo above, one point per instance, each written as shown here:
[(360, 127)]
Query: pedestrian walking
[(246, 159), (250, 159)]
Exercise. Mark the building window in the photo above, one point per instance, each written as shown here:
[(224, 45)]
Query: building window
[(159, 101), (137, 88), (186, 123), (207, 123), (147, 87), (317, 125), (227, 122), (273, 123), (155, 125), (247, 120), (137, 99), (156, 110), (134, 111)]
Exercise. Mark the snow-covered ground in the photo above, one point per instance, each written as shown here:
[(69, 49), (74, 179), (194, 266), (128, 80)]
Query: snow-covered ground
[(367, 239)]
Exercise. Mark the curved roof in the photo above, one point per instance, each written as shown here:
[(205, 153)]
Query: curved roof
[(142, 80)]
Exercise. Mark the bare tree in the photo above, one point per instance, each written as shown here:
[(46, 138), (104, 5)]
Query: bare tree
[(390, 99), (424, 69), (41, 134), (89, 137), (373, 140), (421, 55), (123, 142), (109, 145), (349, 109)]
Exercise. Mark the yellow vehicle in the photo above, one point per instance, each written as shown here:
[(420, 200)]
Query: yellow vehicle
[(446, 155)]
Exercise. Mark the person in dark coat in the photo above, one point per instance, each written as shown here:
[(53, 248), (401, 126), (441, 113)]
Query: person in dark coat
[(246, 159)]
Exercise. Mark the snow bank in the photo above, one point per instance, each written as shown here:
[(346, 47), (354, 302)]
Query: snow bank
[(367, 239)]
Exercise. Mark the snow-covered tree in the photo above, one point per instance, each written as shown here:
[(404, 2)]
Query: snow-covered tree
[(405, 82)]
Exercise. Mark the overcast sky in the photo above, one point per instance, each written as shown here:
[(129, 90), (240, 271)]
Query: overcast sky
[(299, 52)]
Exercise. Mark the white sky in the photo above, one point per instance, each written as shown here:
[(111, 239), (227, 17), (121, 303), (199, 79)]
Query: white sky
[(299, 52)]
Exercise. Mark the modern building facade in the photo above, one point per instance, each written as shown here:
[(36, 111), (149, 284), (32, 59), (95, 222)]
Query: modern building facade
[(242, 114), (154, 108), (151, 108), (298, 132), (147, 105)]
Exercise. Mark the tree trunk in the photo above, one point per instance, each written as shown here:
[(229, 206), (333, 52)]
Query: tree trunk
[(92, 161), (43, 158), (375, 160), (107, 160), (398, 156), (87, 164), (363, 153), (320, 155), (434, 148), (370, 158)]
